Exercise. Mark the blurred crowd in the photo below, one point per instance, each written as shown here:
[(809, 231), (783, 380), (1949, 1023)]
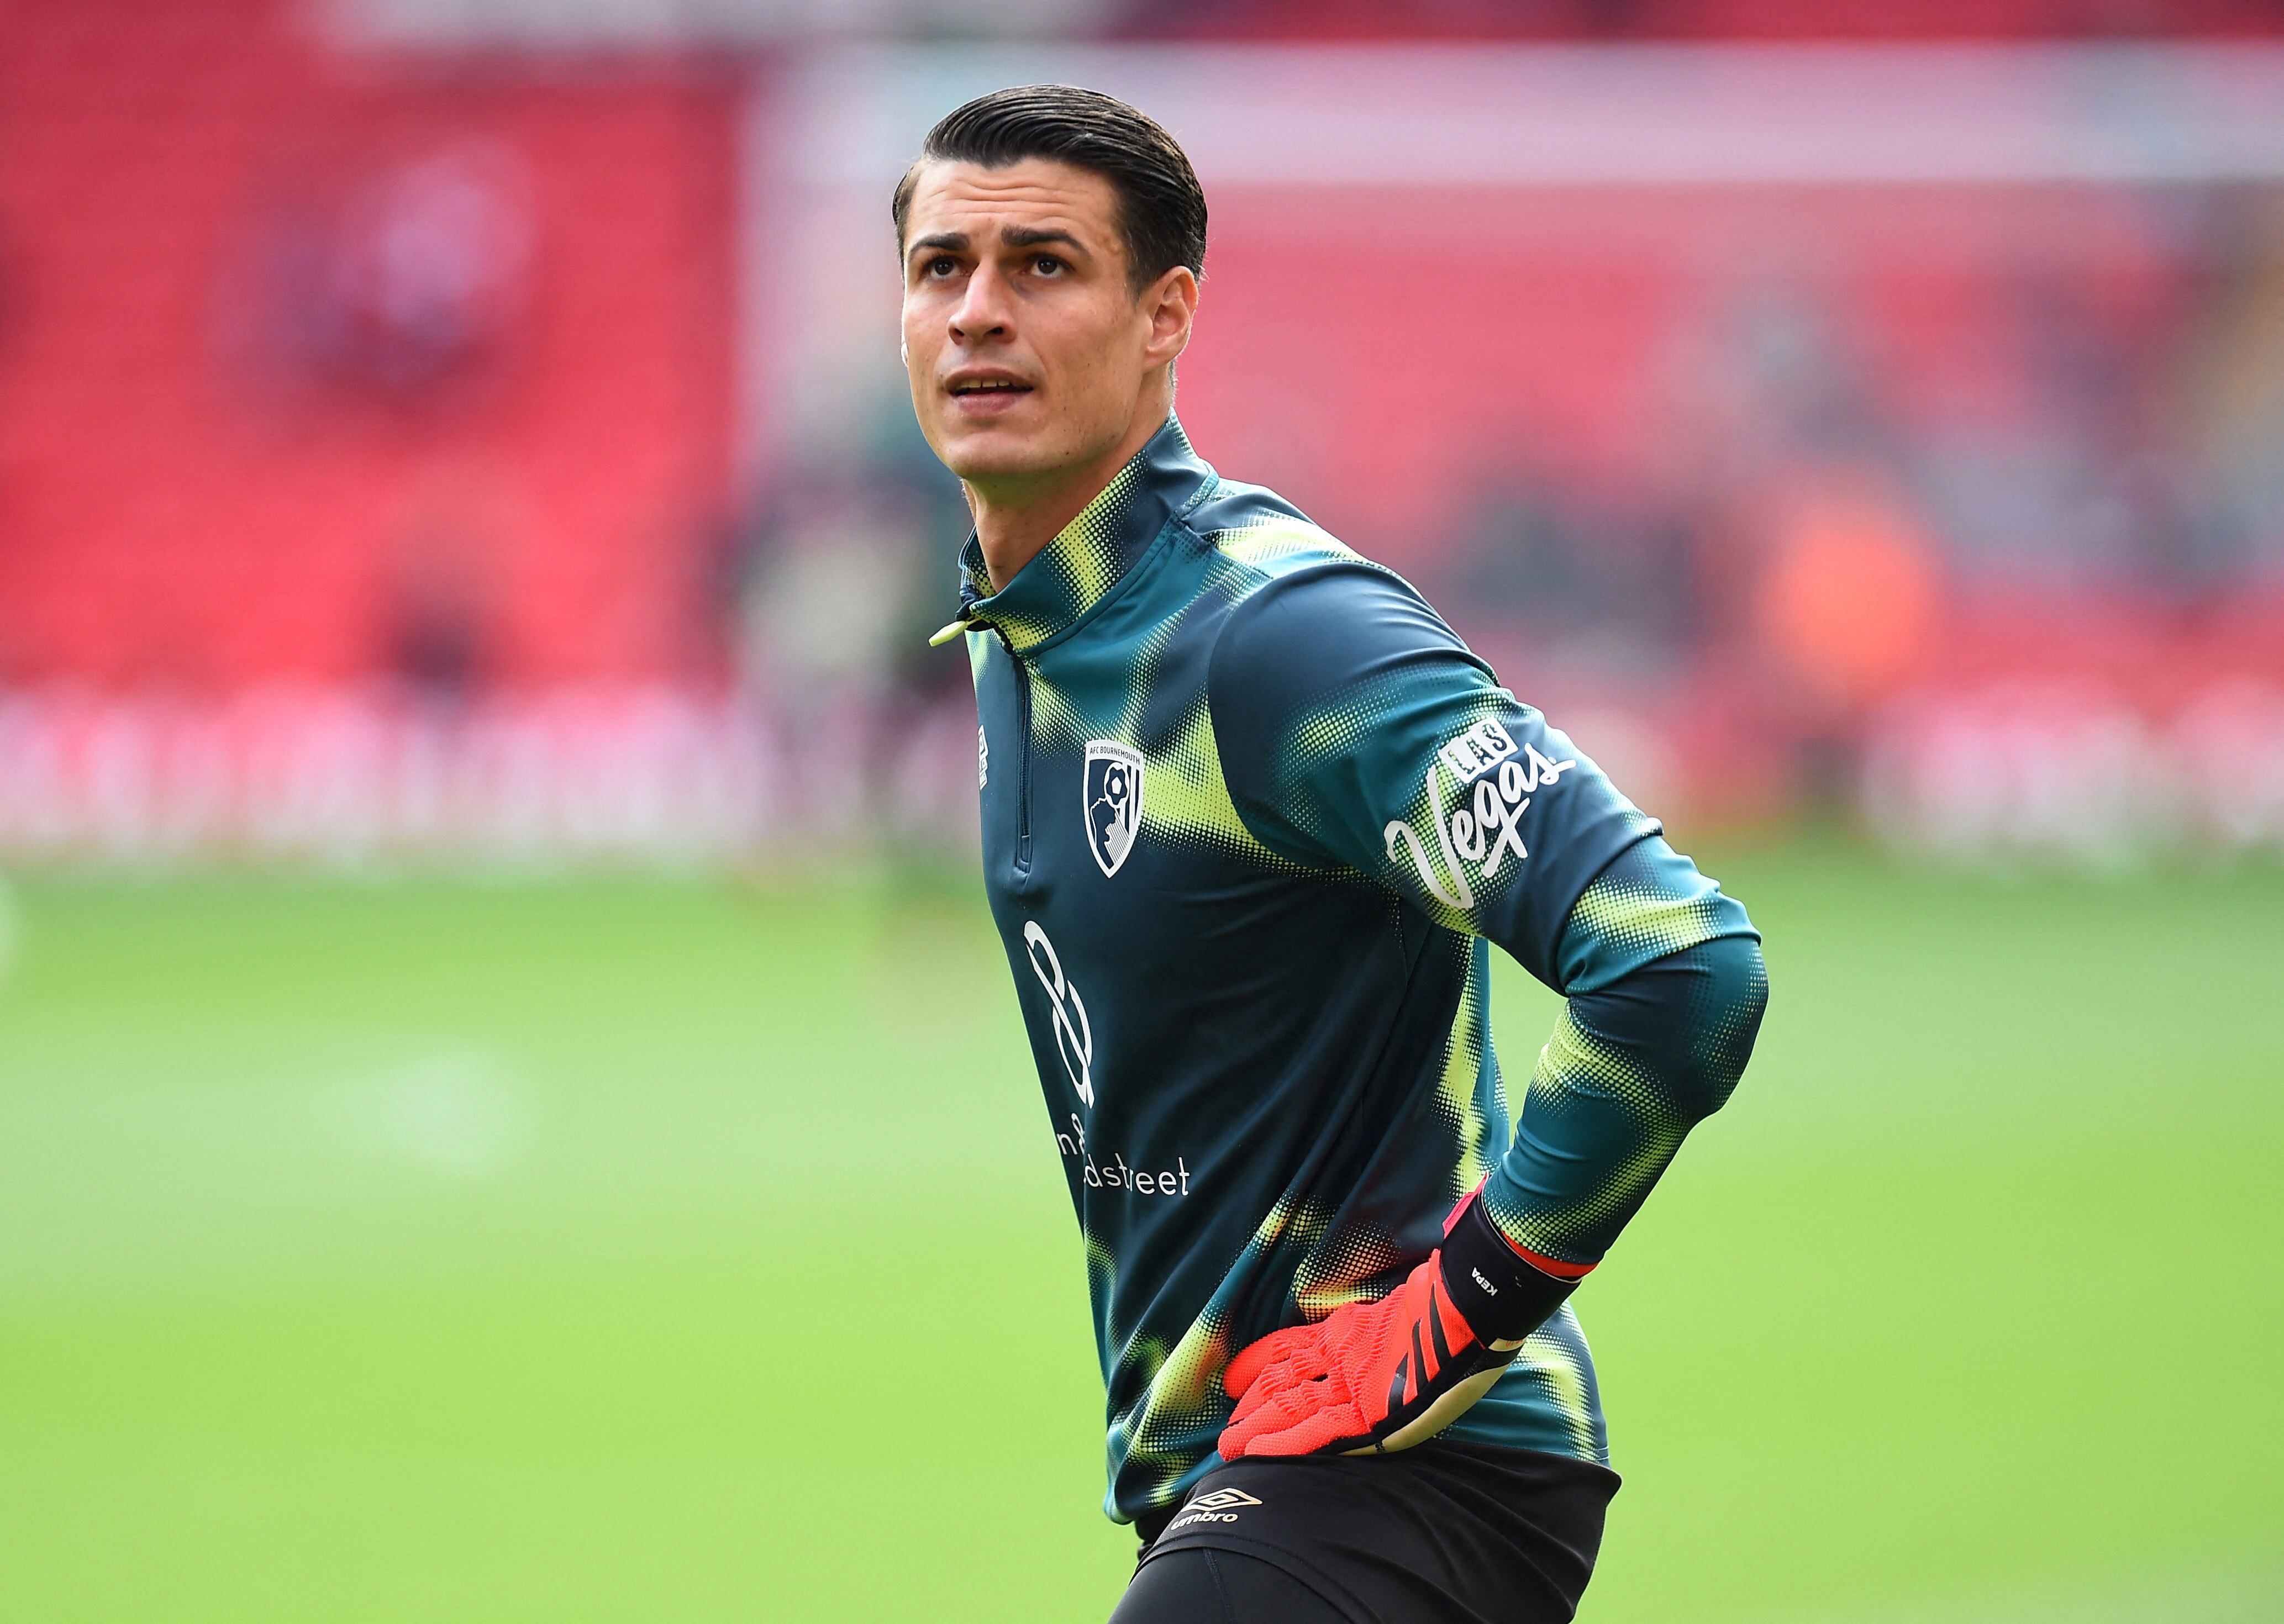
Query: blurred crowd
[(475, 428)]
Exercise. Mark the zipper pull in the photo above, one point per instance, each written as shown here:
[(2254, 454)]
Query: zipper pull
[(955, 629)]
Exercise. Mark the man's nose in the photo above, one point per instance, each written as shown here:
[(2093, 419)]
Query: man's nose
[(982, 310)]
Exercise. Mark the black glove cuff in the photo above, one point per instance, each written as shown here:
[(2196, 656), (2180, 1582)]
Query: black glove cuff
[(1503, 1297)]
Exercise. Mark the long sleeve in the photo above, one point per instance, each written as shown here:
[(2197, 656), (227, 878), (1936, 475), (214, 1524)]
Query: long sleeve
[(1664, 989), (1358, 733)]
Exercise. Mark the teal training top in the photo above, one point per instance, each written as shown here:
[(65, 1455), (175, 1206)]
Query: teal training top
[(1251, 812)]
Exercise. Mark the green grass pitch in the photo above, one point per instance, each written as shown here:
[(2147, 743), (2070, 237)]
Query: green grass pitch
[(436, 1250)]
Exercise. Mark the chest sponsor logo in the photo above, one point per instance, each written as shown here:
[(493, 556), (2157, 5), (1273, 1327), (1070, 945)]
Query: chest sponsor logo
[(982, 759), (1478, 787), (1073, 1033), (1112, 791), (1111, 1172)]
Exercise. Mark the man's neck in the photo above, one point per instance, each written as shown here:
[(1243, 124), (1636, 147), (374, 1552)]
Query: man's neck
[(1014, 520)]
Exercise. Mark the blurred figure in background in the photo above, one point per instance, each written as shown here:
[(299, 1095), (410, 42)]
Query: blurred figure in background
[(835, 593)]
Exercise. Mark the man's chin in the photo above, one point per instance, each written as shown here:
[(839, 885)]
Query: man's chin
[(1004, 454)]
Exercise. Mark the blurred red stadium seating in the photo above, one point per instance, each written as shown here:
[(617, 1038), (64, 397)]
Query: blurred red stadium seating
[(334, 381), (291, 348), (1726, 20)]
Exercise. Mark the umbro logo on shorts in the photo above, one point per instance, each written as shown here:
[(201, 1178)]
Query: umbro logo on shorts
[(1222, 1499), (1218, 1507)]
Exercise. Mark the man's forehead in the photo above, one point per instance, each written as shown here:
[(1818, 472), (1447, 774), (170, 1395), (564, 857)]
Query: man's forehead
[(1035, 191)]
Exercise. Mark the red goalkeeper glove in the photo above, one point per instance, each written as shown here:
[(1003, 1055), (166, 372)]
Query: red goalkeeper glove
[(1374, 1377)]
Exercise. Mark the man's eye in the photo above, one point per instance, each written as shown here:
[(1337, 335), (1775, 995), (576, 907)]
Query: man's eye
[(1047, 265), (941, 266)]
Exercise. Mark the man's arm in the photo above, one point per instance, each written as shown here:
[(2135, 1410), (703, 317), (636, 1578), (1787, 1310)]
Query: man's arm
[(1664, 987), (1358, 732)]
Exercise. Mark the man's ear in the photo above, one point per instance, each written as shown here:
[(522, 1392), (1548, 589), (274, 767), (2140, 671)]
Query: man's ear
[(1171, 304)]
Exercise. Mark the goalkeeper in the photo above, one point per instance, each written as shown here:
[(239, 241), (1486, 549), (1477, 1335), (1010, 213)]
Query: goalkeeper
[(1251, 813)]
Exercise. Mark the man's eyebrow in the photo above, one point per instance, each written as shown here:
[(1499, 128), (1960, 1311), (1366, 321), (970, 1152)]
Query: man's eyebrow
[(1012, 236), (1035, 237)]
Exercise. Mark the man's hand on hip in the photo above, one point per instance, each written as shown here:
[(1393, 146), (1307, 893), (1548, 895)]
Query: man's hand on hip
[(1374, 1377)]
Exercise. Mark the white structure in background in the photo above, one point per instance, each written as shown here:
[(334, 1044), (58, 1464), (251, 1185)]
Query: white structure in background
[(828, 146), (2024, 771), (652, 773), (2054, 771), (591, 25), (342, 774)]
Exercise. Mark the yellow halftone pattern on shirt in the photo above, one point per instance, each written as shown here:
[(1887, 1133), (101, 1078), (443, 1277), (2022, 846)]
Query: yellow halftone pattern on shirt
[(1083, 562), (1548, 1357), (1185, 798), (1058, 723), (1182, 1394), (1455, 1091), (1639, 918), (1057, 720), (1280, 541), (1576, 1064), (1331, 1276), (1183, 1399)]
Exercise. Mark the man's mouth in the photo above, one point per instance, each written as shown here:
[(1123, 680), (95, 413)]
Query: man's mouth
[(988, 385)]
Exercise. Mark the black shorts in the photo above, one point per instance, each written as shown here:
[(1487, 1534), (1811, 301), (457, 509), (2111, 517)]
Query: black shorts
[(1447, 1532)]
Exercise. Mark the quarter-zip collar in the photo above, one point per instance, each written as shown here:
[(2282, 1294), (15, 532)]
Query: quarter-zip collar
[(1087, 559)]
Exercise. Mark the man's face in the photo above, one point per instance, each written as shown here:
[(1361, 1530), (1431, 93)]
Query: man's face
[(1028, 350)]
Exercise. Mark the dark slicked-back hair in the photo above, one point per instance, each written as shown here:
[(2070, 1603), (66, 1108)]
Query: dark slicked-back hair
[(1162, 210)]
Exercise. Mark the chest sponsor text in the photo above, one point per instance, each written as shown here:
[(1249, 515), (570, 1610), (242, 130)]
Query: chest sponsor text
[(1114, 1173)]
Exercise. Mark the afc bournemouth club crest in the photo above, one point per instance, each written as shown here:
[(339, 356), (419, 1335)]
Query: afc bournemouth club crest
[(1112, 790)]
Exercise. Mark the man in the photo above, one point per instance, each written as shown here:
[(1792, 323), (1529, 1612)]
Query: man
[(1251, 812)]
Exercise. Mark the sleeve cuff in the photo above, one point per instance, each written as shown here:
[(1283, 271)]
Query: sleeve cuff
[(1503, 1294)]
